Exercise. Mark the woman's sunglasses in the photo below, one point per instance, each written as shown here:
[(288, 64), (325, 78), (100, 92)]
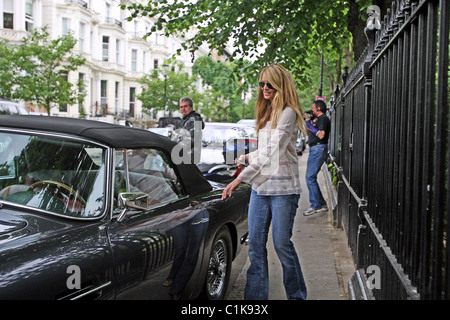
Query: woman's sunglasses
[(262, 84)]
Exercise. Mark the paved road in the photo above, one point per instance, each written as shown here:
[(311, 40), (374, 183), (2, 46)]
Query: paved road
[(323, 251)]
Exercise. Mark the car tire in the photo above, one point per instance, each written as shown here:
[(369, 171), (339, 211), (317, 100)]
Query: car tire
[(219, 266)]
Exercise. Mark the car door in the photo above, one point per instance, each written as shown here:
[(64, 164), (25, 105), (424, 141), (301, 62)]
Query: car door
[(145, 242)]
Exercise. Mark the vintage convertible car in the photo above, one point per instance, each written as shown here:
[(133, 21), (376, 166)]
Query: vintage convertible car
[(98, 211)]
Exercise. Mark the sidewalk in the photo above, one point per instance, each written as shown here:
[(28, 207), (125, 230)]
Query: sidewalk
[(324, 255)]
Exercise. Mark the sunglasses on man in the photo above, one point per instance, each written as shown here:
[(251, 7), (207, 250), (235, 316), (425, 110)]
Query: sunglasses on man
[(262, 84)]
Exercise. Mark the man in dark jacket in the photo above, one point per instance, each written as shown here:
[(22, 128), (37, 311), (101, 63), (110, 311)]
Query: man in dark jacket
[(193, 124)]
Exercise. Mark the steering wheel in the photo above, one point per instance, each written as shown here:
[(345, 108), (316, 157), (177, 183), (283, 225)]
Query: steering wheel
[(72, 192)]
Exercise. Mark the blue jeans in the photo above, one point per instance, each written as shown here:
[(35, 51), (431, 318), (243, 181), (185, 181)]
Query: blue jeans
[(280, 210), (317, 156)]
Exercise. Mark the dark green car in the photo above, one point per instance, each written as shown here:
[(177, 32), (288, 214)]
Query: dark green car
[(99, 211)]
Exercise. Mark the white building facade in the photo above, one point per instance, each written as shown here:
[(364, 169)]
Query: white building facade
[(115, 51)]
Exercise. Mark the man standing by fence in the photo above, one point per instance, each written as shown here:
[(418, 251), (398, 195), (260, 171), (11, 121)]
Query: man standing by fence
[(319, 131)]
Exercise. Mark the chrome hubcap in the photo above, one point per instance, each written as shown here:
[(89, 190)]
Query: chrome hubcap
[(217, 269)]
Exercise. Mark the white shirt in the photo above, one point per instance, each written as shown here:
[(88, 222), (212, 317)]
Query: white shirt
[(273, 168)]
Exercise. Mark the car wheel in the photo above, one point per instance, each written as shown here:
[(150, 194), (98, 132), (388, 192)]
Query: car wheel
[(219, 267)]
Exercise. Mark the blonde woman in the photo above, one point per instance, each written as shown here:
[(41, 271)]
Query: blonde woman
[(273, 174)]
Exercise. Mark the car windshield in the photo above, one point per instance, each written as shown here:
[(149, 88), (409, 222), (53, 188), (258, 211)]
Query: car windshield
[(60, 176)]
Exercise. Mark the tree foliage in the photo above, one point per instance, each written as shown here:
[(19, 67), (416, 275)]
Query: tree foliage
[(36, 70), (296, 33), (166, 85), (222, 84), (283, 31)]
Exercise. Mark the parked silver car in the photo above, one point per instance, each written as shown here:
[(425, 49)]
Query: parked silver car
[(300, 144), (8, 107)]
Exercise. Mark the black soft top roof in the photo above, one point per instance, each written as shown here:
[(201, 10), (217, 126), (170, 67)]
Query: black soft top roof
[(112, 135)]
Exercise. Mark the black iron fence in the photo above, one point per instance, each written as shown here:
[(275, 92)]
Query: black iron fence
[(389, 147)]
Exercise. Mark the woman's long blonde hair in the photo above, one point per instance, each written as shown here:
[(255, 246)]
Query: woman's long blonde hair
[(285, 95)]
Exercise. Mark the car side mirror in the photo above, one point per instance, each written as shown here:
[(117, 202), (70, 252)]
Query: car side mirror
[(132, 201)]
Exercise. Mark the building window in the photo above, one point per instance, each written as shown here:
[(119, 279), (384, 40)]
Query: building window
[(29, 19), (8, 14), (63, 106), (116, 98), (105, 48), (65, 27), (133, 60), (103, 97), (81, 35), (155, 64), (144, 57), (135, 28), (117, 51), (132, 101), (81, 78), (107, 10)]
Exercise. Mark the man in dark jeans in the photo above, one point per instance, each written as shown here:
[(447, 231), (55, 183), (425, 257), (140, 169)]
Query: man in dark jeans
[(319, 131), (193, 124)]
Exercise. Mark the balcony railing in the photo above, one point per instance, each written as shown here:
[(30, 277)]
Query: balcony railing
[(113, 21), (80, 2)]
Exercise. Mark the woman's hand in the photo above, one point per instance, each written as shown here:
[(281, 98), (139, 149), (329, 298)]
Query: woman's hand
[(230, 188), (242, 159)]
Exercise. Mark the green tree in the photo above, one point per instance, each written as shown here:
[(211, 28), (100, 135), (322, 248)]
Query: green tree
[(212, 106), (8, 71), (295, 33), (310, 81), (284, 31), (167, 84), (223, 84), (39, 70), (245, 110)]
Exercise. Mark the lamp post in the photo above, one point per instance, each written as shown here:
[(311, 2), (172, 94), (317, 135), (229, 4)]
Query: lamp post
[(243, 99), (321, 78), (165, 87)]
